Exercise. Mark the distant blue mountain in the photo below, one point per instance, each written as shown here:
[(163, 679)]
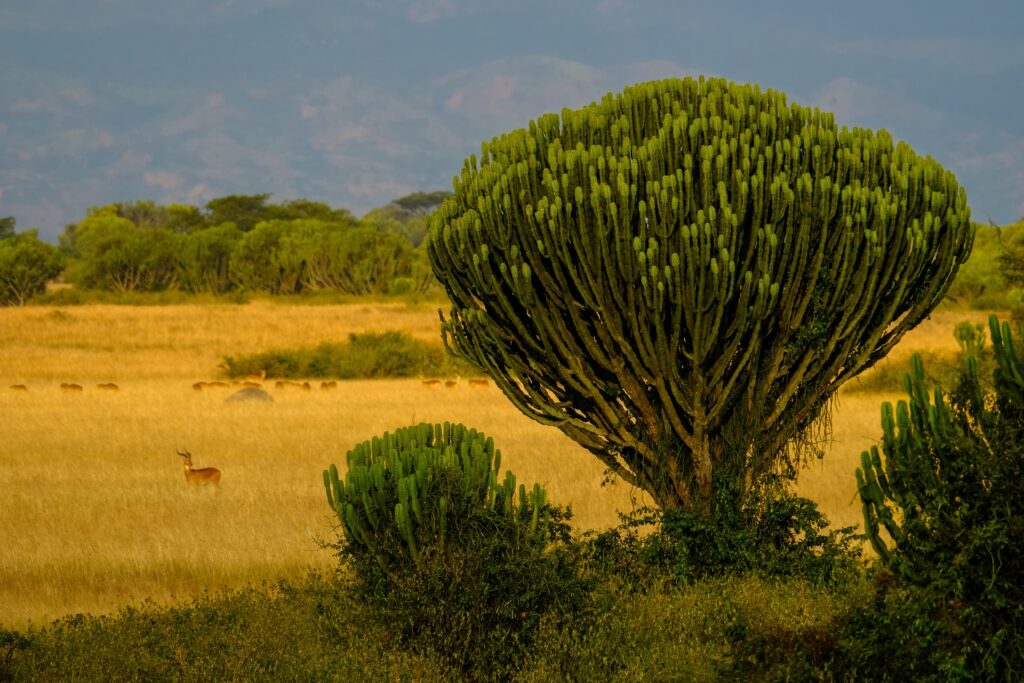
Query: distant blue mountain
[(356, 103)]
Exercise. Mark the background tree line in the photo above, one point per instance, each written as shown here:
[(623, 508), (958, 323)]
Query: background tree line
[(235, 243), (245, 243)]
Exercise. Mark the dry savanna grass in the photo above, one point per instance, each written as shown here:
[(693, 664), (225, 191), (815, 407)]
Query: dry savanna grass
[(95, 509)]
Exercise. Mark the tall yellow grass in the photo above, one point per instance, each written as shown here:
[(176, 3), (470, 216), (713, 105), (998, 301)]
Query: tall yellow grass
[(95, 512)]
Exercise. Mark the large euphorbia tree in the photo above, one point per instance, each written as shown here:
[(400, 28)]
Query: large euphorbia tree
[(680, 276)]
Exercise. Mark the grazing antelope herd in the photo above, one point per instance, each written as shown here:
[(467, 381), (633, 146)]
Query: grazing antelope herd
[(327, 385), (70, 387), (196, 476), (453, 383)]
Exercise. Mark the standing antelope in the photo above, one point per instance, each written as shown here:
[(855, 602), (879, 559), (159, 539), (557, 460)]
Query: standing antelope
[(203, 475), (255, 378)]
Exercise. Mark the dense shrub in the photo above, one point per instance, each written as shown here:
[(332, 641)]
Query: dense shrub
[(944, 509), (729, 628), (455, 557), (914, 627), (363, 355), (773, 534), (310, 630)]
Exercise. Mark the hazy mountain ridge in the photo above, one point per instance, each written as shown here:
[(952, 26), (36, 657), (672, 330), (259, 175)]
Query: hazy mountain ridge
[(107, 101)]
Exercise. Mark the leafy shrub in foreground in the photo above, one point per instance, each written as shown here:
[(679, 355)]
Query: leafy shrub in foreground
[(948, 495), (308, 630), (456, 557)]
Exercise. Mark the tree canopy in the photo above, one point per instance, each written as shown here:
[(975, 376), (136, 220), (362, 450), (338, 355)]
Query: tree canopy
[(26, 264), (681, 275)]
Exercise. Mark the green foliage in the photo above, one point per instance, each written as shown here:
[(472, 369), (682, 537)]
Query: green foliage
[(979, 285), (360, 260), (406, 216), (204, 259), (144, 213), (309, 254), (26, 265), (680, 276), (260, 262), (1011, 258), (245, 211), (987, 280), (451, 552), (7, 227), (363, 355), (943, 508), (425, 487), (729, 629), (911, 625), (118, 256), (182, 218), (241, 243), (311, 630), (771, 535)]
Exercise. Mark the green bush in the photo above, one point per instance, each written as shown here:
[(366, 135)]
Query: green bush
[(945, 512), (730, 628), (456, 558), (363, 355), (986, 281), (771, 534), (310, 630), (316, 629)]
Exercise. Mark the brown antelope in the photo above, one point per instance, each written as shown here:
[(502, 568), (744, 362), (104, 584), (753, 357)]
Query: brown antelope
[(217, 384), (477, 382), (328, 386), (108, 386), (19, 387), (430, 382), (203, 475), (451, 383), (256, 378), (70, 387)]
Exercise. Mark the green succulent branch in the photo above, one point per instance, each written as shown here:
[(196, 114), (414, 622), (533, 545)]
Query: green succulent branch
[(679, 276), (411, 488)]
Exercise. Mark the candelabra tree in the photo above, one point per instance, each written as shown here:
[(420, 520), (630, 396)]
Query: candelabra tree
[(681, 275)]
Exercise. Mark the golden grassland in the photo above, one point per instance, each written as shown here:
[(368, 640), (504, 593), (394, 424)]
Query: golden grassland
[(95, 512)]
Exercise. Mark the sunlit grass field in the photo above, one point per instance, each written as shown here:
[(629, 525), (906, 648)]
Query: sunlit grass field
[(95, 512)]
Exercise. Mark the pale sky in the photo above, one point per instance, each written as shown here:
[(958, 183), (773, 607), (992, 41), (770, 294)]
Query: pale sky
[(357, 102)]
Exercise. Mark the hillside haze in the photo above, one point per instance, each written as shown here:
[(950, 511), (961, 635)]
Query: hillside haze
[(358, 103)]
